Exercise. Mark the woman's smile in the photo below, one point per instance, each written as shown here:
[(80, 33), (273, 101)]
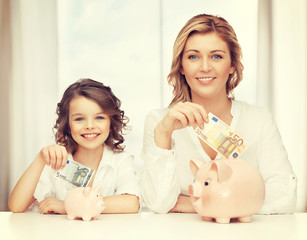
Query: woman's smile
[(205, 80)]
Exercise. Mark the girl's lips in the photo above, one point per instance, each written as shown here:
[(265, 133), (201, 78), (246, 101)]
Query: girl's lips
[(90, 136)]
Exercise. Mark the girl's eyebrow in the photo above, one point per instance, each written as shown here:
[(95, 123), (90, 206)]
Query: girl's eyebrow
[(77, 114)]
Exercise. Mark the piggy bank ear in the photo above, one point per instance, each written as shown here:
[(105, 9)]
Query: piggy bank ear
[(222, 170), (195, 165), (86, 191)]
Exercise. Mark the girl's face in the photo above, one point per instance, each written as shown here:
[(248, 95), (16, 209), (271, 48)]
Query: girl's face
[(89, 124), (206, 64)]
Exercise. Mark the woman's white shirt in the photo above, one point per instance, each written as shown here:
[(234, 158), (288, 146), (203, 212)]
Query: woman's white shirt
[(167, 173), (115, 174)]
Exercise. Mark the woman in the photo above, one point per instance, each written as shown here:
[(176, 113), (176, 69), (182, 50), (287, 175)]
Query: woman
[(206, 68)]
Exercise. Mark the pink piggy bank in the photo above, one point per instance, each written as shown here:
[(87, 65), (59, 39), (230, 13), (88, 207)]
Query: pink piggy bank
[(84, 202), (226, 189)]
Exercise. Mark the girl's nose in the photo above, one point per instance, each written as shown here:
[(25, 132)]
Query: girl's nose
[(90, 124)]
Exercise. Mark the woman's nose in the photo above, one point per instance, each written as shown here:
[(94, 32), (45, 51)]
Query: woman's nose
[(205, 65)]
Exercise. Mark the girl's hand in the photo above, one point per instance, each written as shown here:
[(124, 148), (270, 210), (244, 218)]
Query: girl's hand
[(55, 156), (182, 115), (52, 205)]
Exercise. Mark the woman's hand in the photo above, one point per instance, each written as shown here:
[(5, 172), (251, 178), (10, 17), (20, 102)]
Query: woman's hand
[(52, 205), (54, 156), (179, 116)]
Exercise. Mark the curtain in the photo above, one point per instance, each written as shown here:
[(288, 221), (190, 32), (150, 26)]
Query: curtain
[(5, 65), (282, 78), (28, 85)]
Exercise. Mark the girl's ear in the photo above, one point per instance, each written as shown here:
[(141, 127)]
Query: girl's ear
[(232, 70)]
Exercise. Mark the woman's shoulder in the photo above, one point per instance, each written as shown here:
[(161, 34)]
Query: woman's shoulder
[(155, 116), (248, 109)]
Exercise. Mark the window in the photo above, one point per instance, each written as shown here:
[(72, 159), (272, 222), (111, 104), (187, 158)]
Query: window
[(128, 46)]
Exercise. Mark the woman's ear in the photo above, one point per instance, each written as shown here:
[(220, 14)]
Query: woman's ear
[(181, 71)]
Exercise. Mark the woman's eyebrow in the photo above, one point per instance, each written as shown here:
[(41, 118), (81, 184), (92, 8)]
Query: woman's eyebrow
[(214, 51), (197, 51), (191, 50)]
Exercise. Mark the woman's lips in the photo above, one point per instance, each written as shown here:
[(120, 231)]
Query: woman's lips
[(205, 80)]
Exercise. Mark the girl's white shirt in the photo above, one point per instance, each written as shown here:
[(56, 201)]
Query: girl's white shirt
[(115, 174), (166, 173)]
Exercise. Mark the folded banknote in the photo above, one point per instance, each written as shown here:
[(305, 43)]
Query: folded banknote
[(75, 173), (221, 137)]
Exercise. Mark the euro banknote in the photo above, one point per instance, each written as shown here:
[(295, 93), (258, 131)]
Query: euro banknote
[(221, 137), (75, 173)]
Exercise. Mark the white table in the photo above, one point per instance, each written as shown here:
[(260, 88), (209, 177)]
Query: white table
[(147, 225)]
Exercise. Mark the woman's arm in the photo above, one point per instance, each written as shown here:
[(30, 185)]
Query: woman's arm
[(183, 205), (160, 188), (279, 179), (124, 203)]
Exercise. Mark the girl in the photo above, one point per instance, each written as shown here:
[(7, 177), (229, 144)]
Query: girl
[(206, 68), (89, 131)]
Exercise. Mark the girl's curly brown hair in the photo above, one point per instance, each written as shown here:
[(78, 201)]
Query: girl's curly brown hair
[(105, 98)]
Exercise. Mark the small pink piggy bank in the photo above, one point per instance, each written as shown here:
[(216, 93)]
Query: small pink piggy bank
[(226, 189), (84, 202)]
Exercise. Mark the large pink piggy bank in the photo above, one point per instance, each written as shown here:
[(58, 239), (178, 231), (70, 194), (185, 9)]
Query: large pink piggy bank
[(226, 189), (84, 202)]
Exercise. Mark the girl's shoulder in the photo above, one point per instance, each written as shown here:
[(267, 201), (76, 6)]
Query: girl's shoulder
[(114, 157)]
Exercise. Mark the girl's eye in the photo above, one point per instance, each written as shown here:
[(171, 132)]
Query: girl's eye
[(193, 57), (79, 119), (217, 57), (100, 118)]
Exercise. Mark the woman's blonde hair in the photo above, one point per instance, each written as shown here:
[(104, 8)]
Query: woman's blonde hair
[(204, 23)]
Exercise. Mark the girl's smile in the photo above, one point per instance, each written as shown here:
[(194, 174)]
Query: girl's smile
[(89, 124), (90, 136)]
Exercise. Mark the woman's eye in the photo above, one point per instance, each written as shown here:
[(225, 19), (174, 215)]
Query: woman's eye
[(193, 57), (217, 57)]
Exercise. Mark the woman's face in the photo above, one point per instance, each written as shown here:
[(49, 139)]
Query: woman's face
[(206, 64), (89, 124)]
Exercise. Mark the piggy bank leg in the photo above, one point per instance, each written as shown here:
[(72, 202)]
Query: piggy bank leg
[(222, 220), (208, 219), (246, 219), (86, 218), (70, 217)]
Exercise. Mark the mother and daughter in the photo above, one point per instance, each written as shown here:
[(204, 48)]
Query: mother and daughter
[(205, 70)]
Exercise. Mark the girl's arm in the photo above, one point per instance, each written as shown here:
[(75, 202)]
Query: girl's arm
[(22, 195), (124, 203)]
